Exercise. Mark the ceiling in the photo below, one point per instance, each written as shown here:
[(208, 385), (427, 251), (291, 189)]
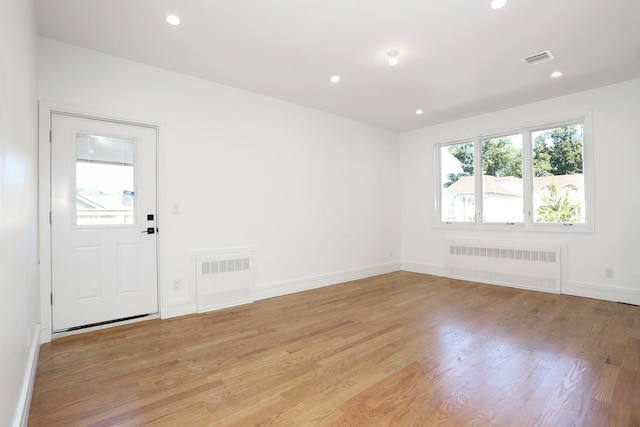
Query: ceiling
[(457, 58)]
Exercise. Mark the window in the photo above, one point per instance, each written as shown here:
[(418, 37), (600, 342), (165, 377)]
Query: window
[(558, 182), (502, 187), (533, 178), (457, 176), (104, 181)]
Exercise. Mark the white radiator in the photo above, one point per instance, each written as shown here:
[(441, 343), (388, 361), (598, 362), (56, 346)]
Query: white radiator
[(224, 278), (529, 265)]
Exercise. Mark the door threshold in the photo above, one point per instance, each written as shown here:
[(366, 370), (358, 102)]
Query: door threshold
[(104, 325)]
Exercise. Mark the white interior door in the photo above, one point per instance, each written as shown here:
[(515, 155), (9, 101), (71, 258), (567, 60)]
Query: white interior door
[(103, 221)]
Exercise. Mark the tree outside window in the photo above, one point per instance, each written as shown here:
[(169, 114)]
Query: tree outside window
[(558, 153)]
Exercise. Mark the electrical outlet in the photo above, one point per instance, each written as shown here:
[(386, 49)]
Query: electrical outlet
[(608, 273), (176, 285)]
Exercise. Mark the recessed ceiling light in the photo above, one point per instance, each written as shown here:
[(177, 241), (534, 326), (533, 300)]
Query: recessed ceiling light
[(335, 79), (393, 57), (556, 74), (419, 111), (173, 19), (497, 4)]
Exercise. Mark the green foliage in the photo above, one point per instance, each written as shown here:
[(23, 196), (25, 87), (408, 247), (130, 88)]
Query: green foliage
[(558, 151), (501, 158), (452, 178), (541, 158), (557, 206), (464, 154)]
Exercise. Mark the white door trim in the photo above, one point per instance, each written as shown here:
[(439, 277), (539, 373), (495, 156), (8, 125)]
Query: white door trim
[(46, 109)]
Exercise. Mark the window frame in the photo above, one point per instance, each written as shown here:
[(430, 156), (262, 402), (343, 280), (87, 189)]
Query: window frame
[(528, 223)]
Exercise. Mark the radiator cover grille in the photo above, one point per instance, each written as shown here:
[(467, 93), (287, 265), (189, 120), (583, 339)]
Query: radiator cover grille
[(529, 265), (224, 278)]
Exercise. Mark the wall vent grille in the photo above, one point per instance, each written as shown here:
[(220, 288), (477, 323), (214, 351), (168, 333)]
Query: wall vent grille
[(535, 265), (223, 266), (223, 279), (539, 57)]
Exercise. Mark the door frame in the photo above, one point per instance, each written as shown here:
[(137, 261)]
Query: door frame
[(46, 110)]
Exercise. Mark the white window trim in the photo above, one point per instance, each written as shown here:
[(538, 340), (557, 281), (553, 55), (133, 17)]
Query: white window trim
[(527, 174)]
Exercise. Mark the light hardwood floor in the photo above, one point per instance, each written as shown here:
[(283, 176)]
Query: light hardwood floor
[(402, 349)]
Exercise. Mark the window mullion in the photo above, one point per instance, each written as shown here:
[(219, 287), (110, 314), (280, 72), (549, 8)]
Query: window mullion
[(477, 175), (438, 168), (527, 176)]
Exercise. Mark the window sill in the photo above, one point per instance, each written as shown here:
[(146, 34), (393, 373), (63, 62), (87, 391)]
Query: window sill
[(517, 227)]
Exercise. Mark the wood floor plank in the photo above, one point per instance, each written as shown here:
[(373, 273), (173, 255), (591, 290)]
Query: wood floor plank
[(401, 349), (504, 386)]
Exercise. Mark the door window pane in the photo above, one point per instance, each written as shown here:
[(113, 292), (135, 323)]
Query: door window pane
[(558, 182), (502, 187), (105, 184), (457, 200)]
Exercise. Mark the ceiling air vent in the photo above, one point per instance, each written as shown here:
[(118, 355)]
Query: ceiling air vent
[(539, 57)]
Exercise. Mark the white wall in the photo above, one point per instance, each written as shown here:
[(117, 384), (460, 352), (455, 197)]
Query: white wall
[(615, 111), (19, 312), (315, 194)]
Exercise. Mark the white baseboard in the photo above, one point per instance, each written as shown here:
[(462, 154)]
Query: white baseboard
[(45, 335), (170, 311), (21, 418), (270, 290), (587, 290), (607, 293), (418, 267)]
